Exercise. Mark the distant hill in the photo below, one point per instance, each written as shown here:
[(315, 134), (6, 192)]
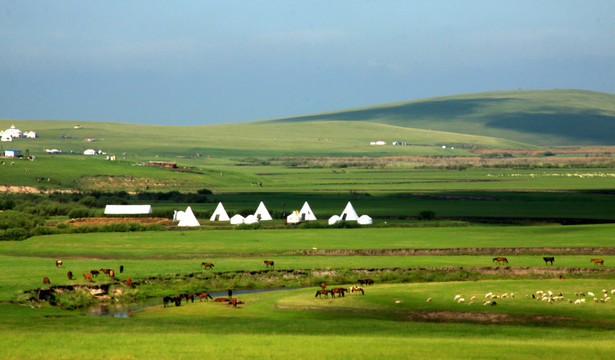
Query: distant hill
[(538, 117)]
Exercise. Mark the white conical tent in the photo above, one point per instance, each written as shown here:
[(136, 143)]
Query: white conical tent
[(237, 219), (365, 220), (262, 213), (333, 219), (220, 214), (188, 219), (349, 214), (306, 213)]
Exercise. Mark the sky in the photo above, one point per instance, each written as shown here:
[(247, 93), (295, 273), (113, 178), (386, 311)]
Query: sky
[(205, 62)]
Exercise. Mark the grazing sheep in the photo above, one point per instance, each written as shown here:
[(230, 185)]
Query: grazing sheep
[(608, 298), (428, 299), (461, 300), (473, 298), (456, 297), (488, 294), (604, 291), (612, 291), (504, 296), (471, 302), (512, 295), (578, 301), (595, 300), (589, 293), (399, 301), (549, 292)]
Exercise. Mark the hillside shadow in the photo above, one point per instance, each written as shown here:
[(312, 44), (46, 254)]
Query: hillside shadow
[(443, 110), (581, 126)]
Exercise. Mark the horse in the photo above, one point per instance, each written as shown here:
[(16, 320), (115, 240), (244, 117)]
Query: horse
[(323, 286), (268, 263), (340, 291), (366, 281), (188, 297), (354, 289), (207, 265), (178, 300), (105, 271), (70, 275), (94, 272), (129, 282), (111, 274), (46, 281), (320, 293), (58, 263), (167, 300), (121, 269), (500, 260), (597, 261), (548, 259), (88, 277), (221, 299), (234, 302), (205, 296)]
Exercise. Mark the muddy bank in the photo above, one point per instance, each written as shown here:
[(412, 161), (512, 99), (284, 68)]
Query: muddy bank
[(460, 251)]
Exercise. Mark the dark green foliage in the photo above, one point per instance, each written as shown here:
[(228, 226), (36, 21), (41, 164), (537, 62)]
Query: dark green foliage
[(254, 226), (81, 213), (345, 225), (427, 215), (15, 234)]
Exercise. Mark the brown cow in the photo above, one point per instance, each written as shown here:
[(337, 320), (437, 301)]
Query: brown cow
[(269, 263), (129, 282), (58, 263), (207, 265), (46, 281), (70, 275), (88, 277)]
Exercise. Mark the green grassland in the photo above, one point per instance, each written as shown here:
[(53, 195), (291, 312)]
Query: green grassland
[(386, 322), (539, 117)]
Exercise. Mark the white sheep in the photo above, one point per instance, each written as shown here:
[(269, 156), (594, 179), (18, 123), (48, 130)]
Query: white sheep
[(589, 293), (488, 294), (512, 295), (612, 291), (473, 298), (461, 300), (595, 300), (456, 297), (608, 298), (428, 299)]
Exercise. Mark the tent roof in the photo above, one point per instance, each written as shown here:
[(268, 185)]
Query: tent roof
[(188, 219), (309, 214), (263, 212), (350, 213), (128, 209), (223, 216)]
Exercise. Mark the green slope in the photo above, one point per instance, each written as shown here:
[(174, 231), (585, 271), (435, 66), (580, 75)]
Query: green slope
[(539, 117)]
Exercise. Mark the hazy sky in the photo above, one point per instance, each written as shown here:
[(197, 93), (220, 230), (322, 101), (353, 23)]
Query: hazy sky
[(202, 62)]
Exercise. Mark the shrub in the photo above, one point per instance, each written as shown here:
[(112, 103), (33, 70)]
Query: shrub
[(15, 234), (427, 215)]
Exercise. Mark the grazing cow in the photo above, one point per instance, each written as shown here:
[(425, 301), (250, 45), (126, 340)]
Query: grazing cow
[(94, 272), (320, 293), (597, 261), (561, 277), (70, 275), (340, 291), (88, 277), (500, 260), (129, 282), (121, 269), (268, 263), (58, 263), (205, 296), (549, 259), (46, 281), (207, 265)]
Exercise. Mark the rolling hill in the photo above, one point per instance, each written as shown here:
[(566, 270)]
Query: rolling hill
[(538, 117)]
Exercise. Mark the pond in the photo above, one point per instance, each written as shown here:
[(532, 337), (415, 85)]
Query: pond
[(126, 310)]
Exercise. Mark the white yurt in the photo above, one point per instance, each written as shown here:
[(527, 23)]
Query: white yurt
[(250, 219), (237, 219), (178, 215), (334, 219), (365, 220)]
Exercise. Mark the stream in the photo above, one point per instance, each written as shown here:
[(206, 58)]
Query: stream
[(126, 310)]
